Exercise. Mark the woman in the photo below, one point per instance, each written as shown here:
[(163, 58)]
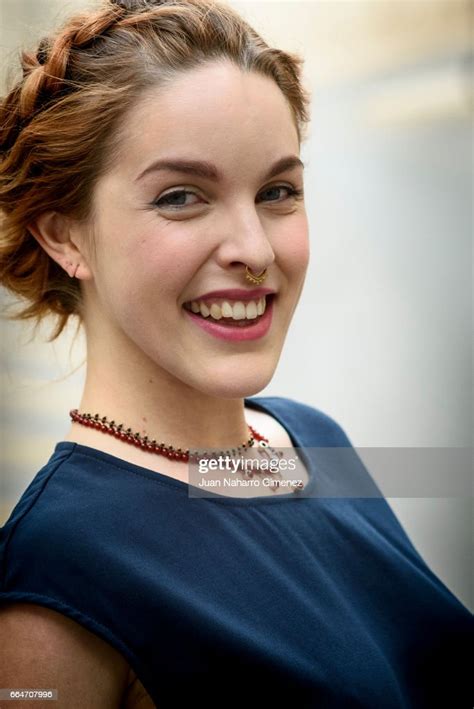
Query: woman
[(152, 187)]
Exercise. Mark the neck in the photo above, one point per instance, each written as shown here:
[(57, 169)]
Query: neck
[(149, 400)]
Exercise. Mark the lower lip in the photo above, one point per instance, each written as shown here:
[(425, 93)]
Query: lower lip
[(236, 333)]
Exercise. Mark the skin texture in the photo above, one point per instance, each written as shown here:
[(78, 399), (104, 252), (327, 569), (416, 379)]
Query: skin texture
[(43, 649), (147, 363)]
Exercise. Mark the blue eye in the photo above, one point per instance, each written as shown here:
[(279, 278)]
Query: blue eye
[(177, 199), (291, 192), (173, 199)]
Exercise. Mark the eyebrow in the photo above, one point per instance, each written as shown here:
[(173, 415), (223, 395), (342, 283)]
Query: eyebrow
[(209, 171)]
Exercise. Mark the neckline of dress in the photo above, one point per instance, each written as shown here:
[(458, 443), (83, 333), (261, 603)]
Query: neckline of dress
[(259, 403)]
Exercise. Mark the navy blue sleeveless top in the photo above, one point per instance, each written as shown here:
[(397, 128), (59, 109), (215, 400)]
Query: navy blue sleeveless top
[(287, 600)]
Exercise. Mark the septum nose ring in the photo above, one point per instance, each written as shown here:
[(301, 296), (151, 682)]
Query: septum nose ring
[(255, 278)]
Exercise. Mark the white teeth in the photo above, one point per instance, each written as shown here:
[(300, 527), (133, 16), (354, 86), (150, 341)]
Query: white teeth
[(251, 310), (216, 312), (226, 310), (237, 310)]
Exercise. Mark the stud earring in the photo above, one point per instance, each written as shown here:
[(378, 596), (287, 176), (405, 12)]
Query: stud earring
[(71, 269)]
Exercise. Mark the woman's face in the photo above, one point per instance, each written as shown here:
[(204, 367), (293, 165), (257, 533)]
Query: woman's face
[(167, 237)]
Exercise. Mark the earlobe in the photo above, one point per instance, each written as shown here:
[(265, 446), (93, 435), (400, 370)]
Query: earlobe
[(52, 231), (71, 268)]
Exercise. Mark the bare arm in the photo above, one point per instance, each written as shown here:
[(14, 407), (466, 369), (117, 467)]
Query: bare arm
[(44, 649)]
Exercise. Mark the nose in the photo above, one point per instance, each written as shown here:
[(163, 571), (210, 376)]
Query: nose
[(248, 243)]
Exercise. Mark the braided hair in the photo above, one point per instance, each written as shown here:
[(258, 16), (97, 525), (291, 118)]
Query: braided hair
[(60, 122)]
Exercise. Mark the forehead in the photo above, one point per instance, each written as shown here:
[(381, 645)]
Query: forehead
[(216, 110)]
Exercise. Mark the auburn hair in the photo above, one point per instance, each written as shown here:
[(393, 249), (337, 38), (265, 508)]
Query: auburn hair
[(59, 122)]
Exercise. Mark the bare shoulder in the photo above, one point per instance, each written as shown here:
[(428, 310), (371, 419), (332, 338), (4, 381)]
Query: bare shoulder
[(46, 649)]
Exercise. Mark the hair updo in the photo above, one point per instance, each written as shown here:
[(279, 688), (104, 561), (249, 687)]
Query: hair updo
[(58, 122)]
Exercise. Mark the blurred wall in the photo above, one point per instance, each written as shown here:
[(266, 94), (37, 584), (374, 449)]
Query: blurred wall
[(382, 339)]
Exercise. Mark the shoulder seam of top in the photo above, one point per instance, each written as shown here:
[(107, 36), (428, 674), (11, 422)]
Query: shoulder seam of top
[(319, 415), (36, 497)]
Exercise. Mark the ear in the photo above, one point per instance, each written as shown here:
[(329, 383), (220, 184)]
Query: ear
[(54, 232)]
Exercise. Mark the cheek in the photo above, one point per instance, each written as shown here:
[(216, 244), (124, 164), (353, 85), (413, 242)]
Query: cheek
[(293, 248), (154, 267)]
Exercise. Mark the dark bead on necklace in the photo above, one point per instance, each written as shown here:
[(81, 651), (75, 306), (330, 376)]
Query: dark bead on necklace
[(127, 436)]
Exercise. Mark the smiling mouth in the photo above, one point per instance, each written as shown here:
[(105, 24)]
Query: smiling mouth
[(233, 313)]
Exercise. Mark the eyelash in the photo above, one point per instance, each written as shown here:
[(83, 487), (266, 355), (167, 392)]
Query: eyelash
[(292, 192)]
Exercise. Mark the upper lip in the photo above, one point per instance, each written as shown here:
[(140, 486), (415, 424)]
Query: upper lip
[(235, 294)]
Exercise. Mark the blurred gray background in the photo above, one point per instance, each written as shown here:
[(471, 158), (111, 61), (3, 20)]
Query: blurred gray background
[(382, 339)]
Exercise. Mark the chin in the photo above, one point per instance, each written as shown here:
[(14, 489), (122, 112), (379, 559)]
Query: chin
[(237, 384), (239, 391)]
